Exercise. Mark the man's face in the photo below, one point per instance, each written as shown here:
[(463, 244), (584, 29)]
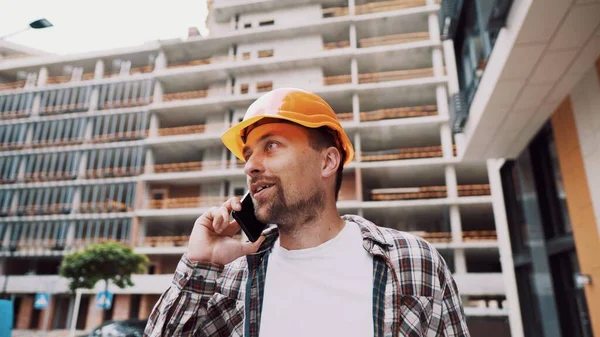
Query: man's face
[(283, 174)]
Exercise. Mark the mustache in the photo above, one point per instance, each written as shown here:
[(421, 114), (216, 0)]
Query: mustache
[(268, 180)]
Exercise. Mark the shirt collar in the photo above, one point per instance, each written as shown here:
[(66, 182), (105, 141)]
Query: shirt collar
[(370, 232)]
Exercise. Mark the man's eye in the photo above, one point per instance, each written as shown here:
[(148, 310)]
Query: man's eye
[(271, 145)]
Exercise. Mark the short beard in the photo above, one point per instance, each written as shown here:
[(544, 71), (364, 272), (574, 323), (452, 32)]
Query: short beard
[(290, 218)]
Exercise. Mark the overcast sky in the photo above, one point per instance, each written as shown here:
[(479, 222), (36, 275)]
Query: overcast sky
[(86, 25)]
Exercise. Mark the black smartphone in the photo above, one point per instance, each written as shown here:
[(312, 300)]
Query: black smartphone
[(247, 220)]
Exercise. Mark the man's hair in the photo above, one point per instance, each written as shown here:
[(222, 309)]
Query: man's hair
[(322, 138)]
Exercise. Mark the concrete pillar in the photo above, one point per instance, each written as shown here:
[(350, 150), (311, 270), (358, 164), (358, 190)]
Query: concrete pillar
[(351, 7), (94, 315), (506, 259), (446, 140), (357, 147), (161, 61), (134, 240), (460, 262), (82, 164), (94, 96), (158, 92), (434, 27), (451, 72), (70, 235), (438, 62), (122, 303), (24, 314), (149, 164), (99, 70), (354, 71), (42, 77), (35, 106), (76, 200), (355, 108), (154, 125), (353, 38), (47, 315), (451, 185), (21, 171), (147, 302)]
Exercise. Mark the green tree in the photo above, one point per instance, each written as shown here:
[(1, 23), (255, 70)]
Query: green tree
[(110, 262)]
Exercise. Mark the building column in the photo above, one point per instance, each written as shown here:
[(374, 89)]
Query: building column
[(434, 27), (354, 71), (99, 70), (504, 248), (353, 38), (94, 314), (460, 261), (122, 303), (161, 61), (154, 125), (135, 238), (42, 77), (35, 105), (24, 314), (355, 108), (351, 7), (157, 95), (149, 163), (147, 302)]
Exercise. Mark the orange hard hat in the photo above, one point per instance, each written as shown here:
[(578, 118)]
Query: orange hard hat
[(290, 104)]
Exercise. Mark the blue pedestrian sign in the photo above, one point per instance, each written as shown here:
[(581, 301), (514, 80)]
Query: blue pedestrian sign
[(104, 299), (41, 300)]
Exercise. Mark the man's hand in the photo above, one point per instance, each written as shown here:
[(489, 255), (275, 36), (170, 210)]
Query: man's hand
[(212, 237)]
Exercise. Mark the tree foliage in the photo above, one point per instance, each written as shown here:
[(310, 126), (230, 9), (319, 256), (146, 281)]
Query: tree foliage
[(110, 262)]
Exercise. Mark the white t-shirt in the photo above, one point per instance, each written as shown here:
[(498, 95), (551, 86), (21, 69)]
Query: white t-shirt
[(322, 291)]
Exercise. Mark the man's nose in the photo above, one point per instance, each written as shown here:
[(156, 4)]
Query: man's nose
[(253, 166)]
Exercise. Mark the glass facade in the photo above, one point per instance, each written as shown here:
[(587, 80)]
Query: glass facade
[(542, 243)]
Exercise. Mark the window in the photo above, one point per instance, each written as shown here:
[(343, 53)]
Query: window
[(266, 23), (244, 88), (246, 55), (264, 86), (247, 25), (265, 53), (239, 191)]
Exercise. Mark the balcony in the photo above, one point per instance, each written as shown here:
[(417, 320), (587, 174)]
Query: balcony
[(44, 209), (49, 176), (372, 7), (12, 85), (199, 62), (189, 166), (396, 75), (36, 144), (109, 206), (68, 78), (187, 202), (113, 172), (182, 130), (185, 95), (15, 105), (120, 136), (392, 39), (400, 112), (336, 45), (446, 237), (427, 192), (406, 153)]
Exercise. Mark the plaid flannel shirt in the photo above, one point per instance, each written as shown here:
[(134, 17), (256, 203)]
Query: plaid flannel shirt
[(414, 293)]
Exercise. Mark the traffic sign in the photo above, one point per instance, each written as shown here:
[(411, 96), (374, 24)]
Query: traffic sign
[(104, 299), (41, 300)]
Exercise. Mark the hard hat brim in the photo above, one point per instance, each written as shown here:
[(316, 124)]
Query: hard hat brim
[(232, 138)]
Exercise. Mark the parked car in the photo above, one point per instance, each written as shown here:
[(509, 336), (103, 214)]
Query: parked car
[(125, 328)]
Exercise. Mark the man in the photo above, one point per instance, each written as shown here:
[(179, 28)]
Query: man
[(315, 273)]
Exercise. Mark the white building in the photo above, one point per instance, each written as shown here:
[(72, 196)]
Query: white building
[(125, 145)]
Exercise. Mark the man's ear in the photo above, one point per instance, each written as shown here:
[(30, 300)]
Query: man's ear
[(332, 159)]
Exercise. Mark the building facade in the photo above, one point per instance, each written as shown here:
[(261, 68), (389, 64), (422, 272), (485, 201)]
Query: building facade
[(124, 145), (528, 103)]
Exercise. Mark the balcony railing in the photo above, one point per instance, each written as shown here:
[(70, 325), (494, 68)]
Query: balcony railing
[(55, 142), (12, 146), (373, 7), (392, 39), (111, 172), (445, 237), (166, 241), (182, 130), (68, 78), (395, 75), (108, 206), (188, 166), (337, 79), (176, 96), (49, 176), (44, 209), (336, 45), (199, 62), (12, 85), (427, 192), (385, 6), (402, 112), (187, 202), (120, 136), (406, 153)]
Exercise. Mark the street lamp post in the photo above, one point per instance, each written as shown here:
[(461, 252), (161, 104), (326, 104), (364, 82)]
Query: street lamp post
[(37, 24)]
